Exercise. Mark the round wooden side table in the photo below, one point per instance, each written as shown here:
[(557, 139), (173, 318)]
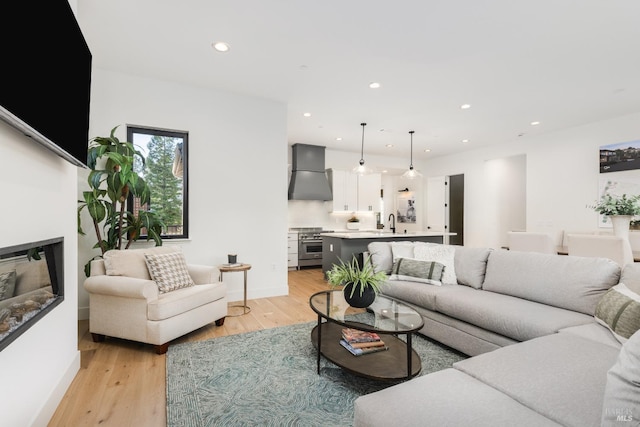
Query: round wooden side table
[(225, 268)]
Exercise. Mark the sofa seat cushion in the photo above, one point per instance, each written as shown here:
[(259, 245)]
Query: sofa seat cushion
[(416, 293), (561, 376), (570, 282), (444, 398), (595, 332), (182, 300), (515, 318)]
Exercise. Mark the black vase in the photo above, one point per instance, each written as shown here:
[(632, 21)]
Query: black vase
[(357, 300)]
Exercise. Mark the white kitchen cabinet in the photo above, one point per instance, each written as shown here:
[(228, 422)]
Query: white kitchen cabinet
[(344, 185), (352, 192), (292, 250), (369, 192)]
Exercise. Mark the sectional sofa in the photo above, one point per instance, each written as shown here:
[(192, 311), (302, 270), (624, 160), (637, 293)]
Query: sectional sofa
[(538, 327)]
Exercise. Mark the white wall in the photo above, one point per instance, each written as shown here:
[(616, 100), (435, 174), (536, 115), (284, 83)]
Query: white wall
[(39, 190), (506, 198), (237, 172), (562, 173)]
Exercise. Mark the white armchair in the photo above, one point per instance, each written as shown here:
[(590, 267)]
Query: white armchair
[(125, 303)]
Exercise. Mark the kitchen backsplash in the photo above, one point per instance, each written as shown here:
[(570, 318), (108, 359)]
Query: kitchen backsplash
[(314, 213)]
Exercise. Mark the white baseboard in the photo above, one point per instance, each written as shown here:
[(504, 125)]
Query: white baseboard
[(43, 417), (238, 296)]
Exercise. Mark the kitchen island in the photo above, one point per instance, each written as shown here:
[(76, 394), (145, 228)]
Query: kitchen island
[(338, 246)]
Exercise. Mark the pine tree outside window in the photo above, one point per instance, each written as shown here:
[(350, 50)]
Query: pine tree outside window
[(165, 171)]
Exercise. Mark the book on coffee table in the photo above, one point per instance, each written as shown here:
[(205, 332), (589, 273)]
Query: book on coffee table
[(361, 351), (355, 336)]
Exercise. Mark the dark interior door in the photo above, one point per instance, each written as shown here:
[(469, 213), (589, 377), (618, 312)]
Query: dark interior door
[(456, 209)]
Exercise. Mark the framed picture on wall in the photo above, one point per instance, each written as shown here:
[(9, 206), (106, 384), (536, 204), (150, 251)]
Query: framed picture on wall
[(621, 156), (406, 212)]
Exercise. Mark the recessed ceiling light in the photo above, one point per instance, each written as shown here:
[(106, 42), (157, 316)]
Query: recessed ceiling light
[(389, 145), (427, 150), (374, 85), (385, 171), (464, 141), (465, 106), (307, 114), (339, 138), (221, 46), (535, 123)]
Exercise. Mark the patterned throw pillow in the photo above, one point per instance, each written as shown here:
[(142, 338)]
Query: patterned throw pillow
[(7, 284), (415, 270), (169, 271), (444, 254), (619, 310)]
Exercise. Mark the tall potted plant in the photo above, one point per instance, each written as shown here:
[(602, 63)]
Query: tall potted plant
[(620, 209), (361, 284), (111, 180)]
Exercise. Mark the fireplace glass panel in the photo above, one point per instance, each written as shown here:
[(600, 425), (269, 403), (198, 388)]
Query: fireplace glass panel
[(30, 285)]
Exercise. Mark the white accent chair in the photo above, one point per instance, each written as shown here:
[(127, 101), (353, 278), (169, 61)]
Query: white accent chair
[(125, 303), (529, 241), (590, 245)]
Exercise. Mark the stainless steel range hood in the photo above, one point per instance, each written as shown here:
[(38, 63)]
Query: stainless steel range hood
[(308, 177)]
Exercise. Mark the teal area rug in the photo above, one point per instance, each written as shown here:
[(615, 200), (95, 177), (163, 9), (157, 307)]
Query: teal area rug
[(269, 378)]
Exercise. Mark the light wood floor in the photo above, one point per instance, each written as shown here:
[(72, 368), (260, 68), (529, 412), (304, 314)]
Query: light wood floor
[(122, 383)]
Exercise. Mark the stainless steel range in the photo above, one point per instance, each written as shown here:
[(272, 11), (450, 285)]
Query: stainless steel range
[(309, 246)]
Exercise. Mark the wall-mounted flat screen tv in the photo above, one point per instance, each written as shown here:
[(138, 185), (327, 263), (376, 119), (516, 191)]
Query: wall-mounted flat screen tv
[(45, 82)]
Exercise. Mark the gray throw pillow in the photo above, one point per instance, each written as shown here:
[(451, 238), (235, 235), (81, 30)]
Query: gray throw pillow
[(621, 405), (415, 270)]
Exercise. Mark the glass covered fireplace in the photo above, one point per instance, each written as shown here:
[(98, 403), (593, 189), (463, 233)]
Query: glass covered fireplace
[(31, 285)]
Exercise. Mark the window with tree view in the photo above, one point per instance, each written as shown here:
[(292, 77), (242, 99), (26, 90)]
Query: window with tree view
[(165, 171)]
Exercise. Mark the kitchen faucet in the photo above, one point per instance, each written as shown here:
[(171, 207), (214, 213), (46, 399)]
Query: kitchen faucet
[(393, 224)]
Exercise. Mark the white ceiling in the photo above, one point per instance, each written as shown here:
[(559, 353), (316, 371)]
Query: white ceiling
[(560, 62)]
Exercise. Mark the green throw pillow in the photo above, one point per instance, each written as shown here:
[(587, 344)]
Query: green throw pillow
[(416, 270), (619, 310)]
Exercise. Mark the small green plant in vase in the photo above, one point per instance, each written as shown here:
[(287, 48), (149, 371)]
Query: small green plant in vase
[(611, 205), (620, 210), (353, 223), (361, 283)]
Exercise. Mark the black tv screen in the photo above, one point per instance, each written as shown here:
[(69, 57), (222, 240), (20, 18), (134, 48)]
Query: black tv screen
[(45, 81)]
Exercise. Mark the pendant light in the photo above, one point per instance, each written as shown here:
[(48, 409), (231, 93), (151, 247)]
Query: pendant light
[(361, 169), (411, 173)]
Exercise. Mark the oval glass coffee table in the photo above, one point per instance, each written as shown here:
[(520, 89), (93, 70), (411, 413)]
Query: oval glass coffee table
[(386, 316)]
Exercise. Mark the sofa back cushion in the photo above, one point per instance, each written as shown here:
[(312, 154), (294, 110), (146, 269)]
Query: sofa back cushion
[(573, 283), (471, 265), (131, 262), (631, 277), (381, 256)]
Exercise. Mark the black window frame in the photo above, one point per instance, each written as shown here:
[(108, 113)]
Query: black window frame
[(184, 135)]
